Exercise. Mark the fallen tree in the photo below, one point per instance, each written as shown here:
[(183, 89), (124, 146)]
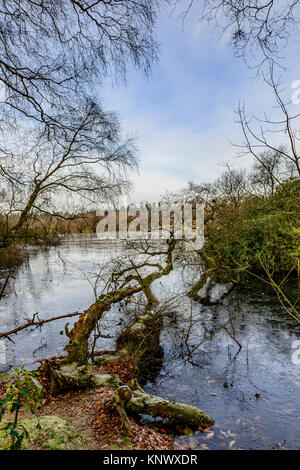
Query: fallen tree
[(209, 290), (198, 285), (125, 283), (66, 377), (128, 285), (79, 335), (143, 403)]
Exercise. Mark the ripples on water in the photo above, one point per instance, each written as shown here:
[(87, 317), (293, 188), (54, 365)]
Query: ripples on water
[(54, 283)]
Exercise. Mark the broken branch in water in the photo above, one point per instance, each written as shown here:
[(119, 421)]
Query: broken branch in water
[(34, 322), (213, 333)]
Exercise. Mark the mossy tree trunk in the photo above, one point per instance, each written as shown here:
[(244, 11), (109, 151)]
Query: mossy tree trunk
[(193, 292), (118, 401), (137, 401), (79, 335), (191, 416)]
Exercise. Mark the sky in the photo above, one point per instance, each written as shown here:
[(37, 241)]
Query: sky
[(183, 115)]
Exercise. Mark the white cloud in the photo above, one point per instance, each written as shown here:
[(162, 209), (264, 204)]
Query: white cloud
[(184, 114), (150, 185)]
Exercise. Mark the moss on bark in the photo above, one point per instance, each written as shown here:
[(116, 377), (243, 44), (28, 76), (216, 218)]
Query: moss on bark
[(140, 402), (79, 335), (144, 403)]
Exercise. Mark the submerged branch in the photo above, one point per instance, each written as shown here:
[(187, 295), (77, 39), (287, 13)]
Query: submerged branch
[(79, 335)]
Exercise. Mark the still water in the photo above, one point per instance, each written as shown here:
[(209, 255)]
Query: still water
[(252, 393)]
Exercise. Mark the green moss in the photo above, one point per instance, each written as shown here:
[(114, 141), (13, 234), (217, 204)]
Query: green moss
[(106, 359), (55, 434), (81, 378), (127, 445), (106, 380), (141, 402), (115, 447)]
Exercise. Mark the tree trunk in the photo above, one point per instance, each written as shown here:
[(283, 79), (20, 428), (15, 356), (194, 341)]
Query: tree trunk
[(141, 341), (118, 401), (79, 335), (68, 377), (193, 292), (191, 416)]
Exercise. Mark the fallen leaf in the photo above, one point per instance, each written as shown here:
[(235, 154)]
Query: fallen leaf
[(227, 434)]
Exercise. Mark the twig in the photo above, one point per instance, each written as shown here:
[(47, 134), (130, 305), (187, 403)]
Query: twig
[(213, 333), (32, 322)]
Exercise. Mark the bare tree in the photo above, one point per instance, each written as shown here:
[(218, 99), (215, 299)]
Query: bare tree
[(56, 140), (87, 159), (232, 186), (261, 135), (51, 51), (259, 29), (267, 171)]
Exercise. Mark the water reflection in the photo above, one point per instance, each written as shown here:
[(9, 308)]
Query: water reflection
[(218, 377), (253, 393)]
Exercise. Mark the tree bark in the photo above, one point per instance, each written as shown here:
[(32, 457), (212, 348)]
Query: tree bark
[(141, 341), (155, 406), (68, 377), (118, 401), (193, 292), (79, 335)]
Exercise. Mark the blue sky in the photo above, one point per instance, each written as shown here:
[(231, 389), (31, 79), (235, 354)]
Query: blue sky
[(183, 114)]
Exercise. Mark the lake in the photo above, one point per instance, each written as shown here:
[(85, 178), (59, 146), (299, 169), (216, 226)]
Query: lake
[(252, 393)]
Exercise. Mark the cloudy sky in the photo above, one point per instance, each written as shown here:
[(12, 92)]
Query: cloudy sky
[(183, 114)]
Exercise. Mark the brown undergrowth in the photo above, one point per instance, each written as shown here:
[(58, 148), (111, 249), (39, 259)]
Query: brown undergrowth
[(87, 412)]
